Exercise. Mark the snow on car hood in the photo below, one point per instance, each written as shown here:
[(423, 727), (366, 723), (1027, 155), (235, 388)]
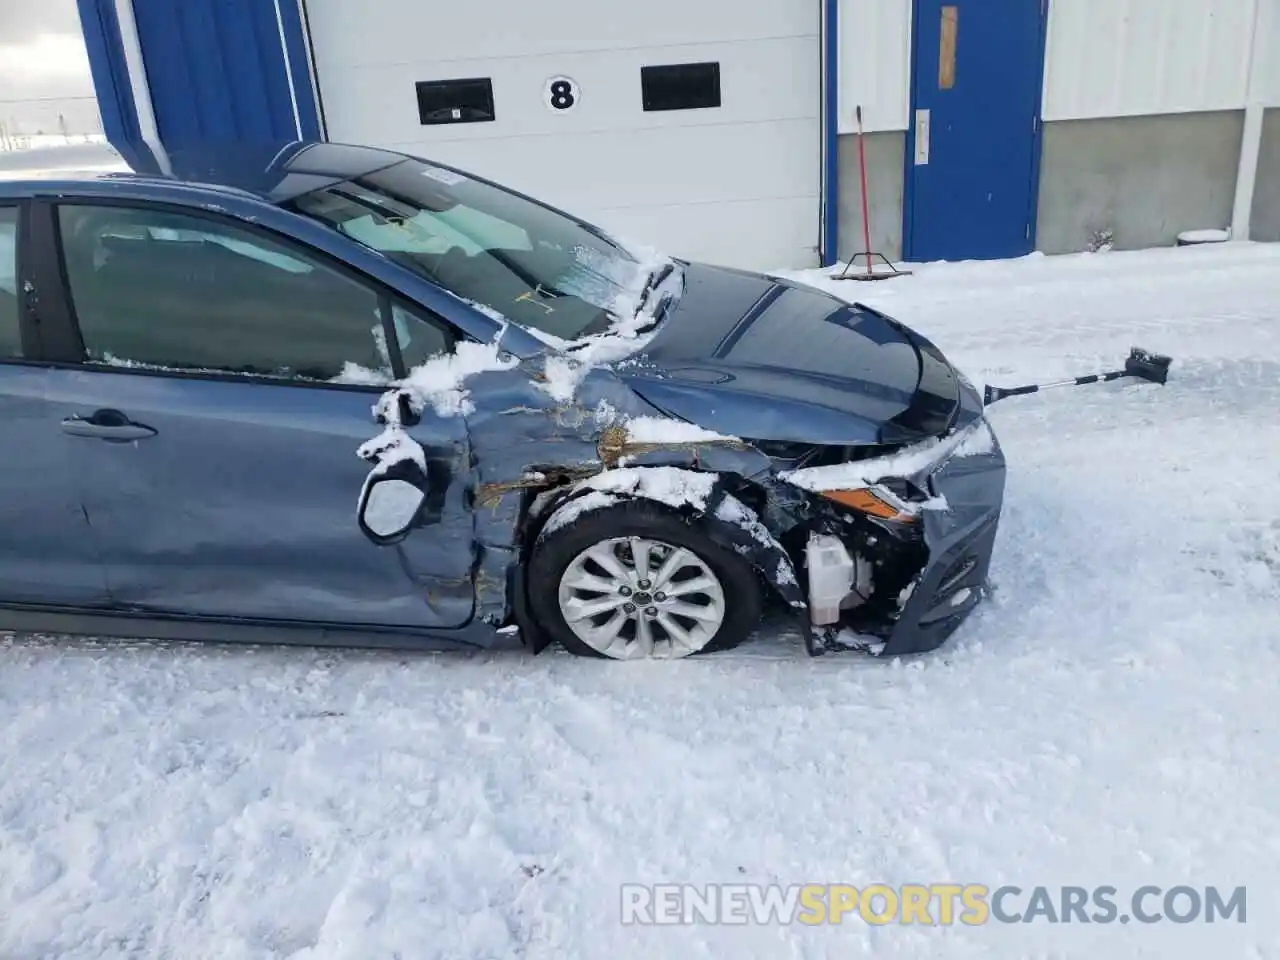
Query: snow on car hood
[(975, 439)]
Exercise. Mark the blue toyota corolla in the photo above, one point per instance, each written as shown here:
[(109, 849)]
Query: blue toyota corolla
[(327, 393)]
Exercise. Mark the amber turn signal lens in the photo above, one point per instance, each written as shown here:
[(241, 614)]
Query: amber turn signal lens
[(864, 501)]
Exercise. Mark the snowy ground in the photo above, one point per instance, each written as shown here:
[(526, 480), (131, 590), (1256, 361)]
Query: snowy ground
[(17, 143), (35, 156), (1109, 719)]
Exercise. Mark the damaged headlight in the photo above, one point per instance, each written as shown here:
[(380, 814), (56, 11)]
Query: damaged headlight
[(893, 500), (878, 487)]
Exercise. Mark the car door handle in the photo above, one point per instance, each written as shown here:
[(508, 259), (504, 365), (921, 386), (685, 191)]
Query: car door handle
[(107, 425)]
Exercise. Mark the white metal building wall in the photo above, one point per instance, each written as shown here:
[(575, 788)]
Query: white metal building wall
[(740, 184), (875, 64), (1104, 58), (1266, 55), (1117, 58)]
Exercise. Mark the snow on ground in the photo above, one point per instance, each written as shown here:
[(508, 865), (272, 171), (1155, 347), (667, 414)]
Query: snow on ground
[(1108, 719), (16, 143), (34, 157)]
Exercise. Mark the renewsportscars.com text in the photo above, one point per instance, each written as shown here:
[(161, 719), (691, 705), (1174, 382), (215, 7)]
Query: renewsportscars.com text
[(932, 904)]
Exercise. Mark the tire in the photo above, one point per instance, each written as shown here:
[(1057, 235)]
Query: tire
[(565, 558)]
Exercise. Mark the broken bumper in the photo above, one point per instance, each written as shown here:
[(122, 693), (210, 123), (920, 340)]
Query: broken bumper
[(958, 535), (952, 584), (960, 539)]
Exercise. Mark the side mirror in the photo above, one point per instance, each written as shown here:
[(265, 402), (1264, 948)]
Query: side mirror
[(390, 503)]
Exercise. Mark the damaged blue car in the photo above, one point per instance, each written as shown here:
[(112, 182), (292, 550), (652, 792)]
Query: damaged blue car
[(325, 393)]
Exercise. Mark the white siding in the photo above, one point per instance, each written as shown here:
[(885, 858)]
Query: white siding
[(1266, 63), (739, 184), (875, 64), (1116, 58), (1104, 58)]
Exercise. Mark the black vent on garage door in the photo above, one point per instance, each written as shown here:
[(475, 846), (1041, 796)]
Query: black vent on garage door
[(455, 101), (680, 86)]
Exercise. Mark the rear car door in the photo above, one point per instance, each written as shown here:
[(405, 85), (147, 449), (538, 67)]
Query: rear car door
[(47, 553), (222, 381)]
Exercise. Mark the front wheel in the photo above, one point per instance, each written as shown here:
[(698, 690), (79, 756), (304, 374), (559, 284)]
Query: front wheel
[(636, 581)]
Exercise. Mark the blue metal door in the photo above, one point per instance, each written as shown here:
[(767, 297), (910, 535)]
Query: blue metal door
[(48, 552), (216, 498), (973, 144)]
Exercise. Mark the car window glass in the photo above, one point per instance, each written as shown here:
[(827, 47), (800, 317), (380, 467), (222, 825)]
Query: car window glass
[(10, 336), (419, 232), (157, 289), (531, 264), (253, 250), (419, 338)]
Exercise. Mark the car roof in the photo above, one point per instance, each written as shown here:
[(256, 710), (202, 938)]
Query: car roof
[(275, 171)]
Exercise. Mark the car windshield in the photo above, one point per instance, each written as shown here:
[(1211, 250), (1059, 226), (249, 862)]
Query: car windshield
[(532, 265)]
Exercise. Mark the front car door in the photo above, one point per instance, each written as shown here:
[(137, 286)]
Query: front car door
[(223, 381), (48, 556)]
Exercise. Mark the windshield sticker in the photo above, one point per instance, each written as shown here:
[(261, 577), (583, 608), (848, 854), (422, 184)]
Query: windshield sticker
[(447, 177)]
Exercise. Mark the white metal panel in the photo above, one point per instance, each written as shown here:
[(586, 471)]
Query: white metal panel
[(1115, 58), (740, 184), (875, 64), (760, 82), (414, 31), (1266, 56)]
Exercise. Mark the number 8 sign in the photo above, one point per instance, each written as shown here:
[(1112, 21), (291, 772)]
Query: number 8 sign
[(561, 94)]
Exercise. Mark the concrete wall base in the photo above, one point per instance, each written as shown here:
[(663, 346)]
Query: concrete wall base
[(1145, 179), (884, 186)]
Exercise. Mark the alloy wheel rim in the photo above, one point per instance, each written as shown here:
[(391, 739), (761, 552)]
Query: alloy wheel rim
[(631, 598)]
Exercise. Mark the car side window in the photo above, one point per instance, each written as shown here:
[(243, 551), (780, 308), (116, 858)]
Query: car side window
[(163, 290), (10, 332), (419, 339)]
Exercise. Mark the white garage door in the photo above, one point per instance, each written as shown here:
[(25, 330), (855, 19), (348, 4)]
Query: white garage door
[(689, 125)]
